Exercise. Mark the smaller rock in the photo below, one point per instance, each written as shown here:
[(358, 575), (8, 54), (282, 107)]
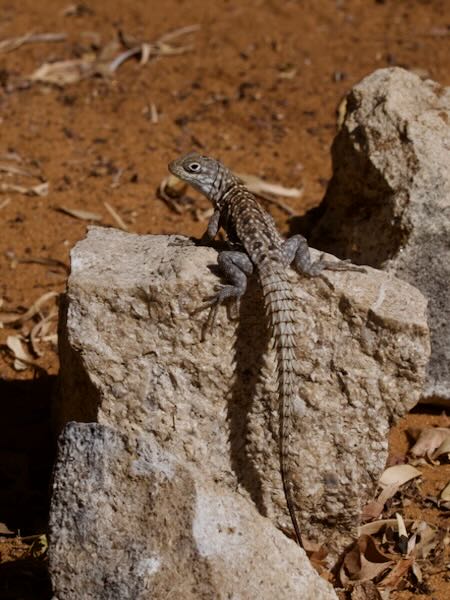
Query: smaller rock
[(129, 521), (388, 202)]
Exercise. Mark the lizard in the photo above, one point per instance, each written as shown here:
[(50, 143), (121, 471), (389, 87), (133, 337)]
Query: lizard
[(257, 246)]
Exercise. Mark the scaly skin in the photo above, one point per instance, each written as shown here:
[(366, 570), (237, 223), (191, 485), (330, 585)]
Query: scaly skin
[(249, 226)]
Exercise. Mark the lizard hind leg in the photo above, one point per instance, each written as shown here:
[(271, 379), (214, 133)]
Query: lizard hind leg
[(295, 250), (236, 267)]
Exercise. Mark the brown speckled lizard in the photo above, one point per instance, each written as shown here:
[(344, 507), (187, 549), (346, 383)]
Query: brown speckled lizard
[(260, 247)]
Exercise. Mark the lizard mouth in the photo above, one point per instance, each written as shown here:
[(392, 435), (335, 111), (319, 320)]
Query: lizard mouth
[(172, 166)]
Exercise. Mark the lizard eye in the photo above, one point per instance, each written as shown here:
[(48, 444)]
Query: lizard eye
[(194, 167)]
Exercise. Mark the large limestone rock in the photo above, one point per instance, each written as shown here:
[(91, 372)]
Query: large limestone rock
[(388, 203), (132, 359), (129, 521)]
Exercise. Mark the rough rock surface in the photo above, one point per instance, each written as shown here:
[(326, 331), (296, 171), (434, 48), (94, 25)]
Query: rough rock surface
[(131, 358), (388, 203), (131, 522)]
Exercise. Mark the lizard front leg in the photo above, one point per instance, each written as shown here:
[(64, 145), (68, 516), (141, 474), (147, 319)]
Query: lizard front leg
[(236, 266), (213, 227), (296, 250)]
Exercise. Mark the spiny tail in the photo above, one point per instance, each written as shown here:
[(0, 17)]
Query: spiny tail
[(280, 308)]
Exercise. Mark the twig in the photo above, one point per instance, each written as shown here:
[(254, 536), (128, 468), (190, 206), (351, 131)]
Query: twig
[(279, 203), (11, 44), (115, 64), (115, 215), (154, 118), (177, 32)]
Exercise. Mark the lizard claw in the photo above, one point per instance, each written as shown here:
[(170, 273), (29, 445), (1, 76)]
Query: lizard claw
[(213, 303), (224, 292), (339, 265)]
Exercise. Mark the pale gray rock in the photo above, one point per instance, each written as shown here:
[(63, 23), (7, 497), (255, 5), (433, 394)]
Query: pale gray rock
[(131, 358), (388, 203), (129, 521)]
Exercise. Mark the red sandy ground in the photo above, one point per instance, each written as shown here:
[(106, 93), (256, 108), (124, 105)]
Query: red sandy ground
[(230, 97)]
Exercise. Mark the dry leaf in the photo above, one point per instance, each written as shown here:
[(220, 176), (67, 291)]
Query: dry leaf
[(402, 534), (14, 170), (398, 475), (401, 525), (444, 448), (106, 62), (39, 546), (41, 189), (394, 577), (4, 530), (417, 572), (64, 72), (429, 539), (85, 215), (445, 494), (411, 544), (363, 562), (366, 590), (373, 509), (22, 358), (341, 112), (429, 440)]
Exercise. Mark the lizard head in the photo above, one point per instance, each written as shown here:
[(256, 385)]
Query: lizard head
[(197, 170)]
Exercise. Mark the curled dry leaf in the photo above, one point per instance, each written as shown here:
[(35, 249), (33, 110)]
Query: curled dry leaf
[(172, 187), (171, 190), (39, 546), (363, 562), (41, 330), (377, 526), (398, 475), (429, 440), (79, 213), (34, 309), (22, 358)]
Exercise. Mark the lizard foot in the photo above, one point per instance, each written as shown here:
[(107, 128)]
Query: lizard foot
[(340, 265)]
